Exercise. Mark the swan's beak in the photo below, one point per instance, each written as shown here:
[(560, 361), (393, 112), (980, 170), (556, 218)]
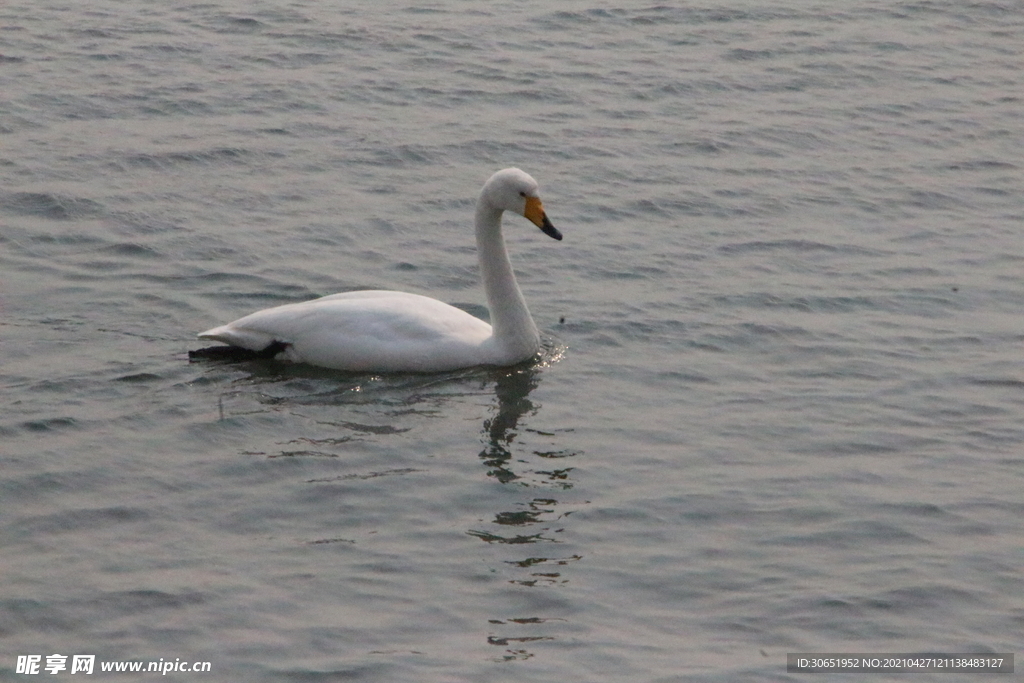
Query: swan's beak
[(534, 212)]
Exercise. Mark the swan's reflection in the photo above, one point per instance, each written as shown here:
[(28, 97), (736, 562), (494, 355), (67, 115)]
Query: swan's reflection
[(537, 520), (528, 542), (512, 388)]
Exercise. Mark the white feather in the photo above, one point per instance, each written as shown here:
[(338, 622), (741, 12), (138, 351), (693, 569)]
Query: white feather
[(385, 331)]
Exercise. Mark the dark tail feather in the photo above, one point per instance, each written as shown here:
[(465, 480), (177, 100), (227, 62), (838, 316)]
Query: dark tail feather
[(237, 353)]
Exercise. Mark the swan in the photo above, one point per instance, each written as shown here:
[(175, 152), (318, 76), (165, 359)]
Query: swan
[(387, 331)]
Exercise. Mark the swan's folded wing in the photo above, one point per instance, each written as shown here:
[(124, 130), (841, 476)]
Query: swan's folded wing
[(243, 337), (289, 322), (379, 330)]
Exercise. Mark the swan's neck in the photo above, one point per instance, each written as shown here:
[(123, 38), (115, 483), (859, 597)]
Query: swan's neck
[(514, 329)]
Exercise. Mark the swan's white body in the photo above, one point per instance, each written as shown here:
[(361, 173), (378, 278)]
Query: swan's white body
[(385, 331)]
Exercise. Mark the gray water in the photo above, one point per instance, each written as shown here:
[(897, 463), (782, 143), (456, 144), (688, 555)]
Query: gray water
[(780, 406)]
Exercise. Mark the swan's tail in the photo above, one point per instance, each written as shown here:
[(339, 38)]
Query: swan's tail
[(237, 353)]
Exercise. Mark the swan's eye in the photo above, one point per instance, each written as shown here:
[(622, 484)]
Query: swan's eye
[(522, 194)]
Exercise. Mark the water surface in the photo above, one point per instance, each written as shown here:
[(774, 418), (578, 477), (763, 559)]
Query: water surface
[(780, 405)]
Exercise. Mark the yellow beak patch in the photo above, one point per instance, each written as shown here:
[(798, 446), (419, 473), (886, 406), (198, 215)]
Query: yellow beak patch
[(534, 211)]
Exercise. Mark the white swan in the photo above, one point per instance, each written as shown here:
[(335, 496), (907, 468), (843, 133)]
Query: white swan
[(385, 331)]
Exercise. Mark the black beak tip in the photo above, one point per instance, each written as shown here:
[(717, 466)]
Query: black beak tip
[(550, 230)]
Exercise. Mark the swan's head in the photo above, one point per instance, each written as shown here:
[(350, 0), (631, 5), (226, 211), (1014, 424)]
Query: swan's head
[(514, 190)]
